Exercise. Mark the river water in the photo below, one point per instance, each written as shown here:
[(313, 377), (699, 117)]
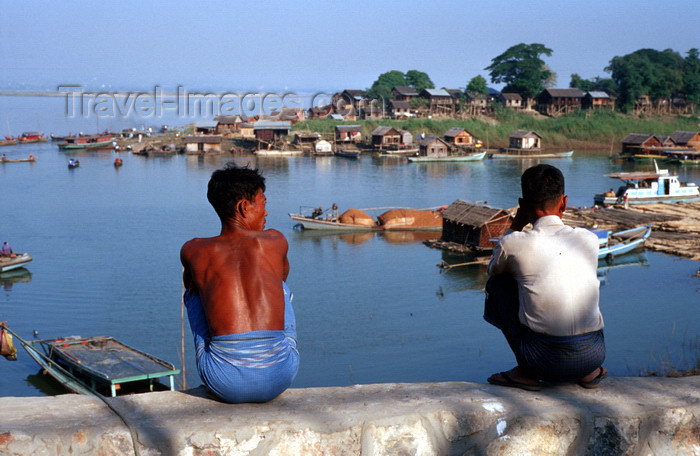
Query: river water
[(370, 307)]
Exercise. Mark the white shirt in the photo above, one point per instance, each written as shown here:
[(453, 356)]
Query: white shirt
[(555, 267)]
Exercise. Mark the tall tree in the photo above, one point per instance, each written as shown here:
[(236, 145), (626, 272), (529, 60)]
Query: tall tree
[(647, 72), (691, 76), (477, 84), (419, 80), (521, 69), (381, 88)]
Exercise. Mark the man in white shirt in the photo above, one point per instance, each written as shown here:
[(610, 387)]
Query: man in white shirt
[(543, 291)]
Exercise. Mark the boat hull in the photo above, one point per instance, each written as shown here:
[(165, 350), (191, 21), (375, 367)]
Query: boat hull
[(456, 158), (330, 225), (19, 261), (521, 155), (95, 145), (622, 242), (615, 201)]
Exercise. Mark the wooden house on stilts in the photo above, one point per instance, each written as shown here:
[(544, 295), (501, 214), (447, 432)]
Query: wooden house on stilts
[(471, 226)]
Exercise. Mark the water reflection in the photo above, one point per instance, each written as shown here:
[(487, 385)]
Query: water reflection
[(631, 259), (45, 384), (357, 238), (19, 275), (467, 273)]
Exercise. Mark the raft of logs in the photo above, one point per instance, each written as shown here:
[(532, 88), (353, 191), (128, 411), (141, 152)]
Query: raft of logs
[(675, 227)]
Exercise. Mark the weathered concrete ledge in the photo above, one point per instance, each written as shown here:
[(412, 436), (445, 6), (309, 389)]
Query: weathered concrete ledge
[(625, 416)]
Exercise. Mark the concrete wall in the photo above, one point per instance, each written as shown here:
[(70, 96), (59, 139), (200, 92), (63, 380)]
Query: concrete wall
[(625, 416)]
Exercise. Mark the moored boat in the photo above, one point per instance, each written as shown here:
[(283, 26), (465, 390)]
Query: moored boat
[(87, 142), (529, 153), (4, 159), (393, 219), (646, 187), (619, 243), (99, 365), (8, 263), (277, 153), (31, 137), (683, 157), (8, 141), (477, 156)]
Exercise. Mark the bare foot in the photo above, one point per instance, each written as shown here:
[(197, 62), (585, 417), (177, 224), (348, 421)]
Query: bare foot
[(600, 371)]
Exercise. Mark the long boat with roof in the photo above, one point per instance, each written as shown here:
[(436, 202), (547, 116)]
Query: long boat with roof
[(87, 142), (646, 187)]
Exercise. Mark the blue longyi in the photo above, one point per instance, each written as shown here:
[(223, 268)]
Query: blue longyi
[(255, 366)]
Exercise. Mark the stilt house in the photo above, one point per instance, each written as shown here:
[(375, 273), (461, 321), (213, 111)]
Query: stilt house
[(472, 225)]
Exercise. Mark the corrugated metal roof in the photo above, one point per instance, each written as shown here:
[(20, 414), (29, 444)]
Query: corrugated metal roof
[(429, 139), (523, 134), (437, 92), (272, 125), (598, 94), (471, 214), (454, 131)]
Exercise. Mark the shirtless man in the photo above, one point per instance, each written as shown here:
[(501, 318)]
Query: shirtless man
[(543, 293), (238, 304)]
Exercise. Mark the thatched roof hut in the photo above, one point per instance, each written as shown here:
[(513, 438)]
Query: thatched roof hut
[(472, 225)]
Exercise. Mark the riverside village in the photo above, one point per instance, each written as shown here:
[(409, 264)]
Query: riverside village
[(396, 204)]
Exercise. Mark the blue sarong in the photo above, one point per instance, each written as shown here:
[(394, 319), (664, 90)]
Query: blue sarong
[(255, 366)]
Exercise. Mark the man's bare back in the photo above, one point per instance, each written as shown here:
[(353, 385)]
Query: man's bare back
[(238, 274)]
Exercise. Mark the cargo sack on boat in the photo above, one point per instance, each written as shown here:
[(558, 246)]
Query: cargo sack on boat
[(7, 348), (356, 217), (408, 218)]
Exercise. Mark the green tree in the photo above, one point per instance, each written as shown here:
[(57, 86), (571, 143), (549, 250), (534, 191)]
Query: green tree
[(418, 102), (477, 84), (381, 88), (419, 80), (521, 69), (691, 76), (658, 74), (596, 83)]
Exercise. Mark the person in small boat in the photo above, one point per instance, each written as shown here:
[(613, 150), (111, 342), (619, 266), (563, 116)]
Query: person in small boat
[(71, 162), (3, 158), (238, 304), (6, 250), (543, 291)]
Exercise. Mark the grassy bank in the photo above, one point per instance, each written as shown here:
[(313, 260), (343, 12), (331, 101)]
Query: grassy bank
[(579, 130)]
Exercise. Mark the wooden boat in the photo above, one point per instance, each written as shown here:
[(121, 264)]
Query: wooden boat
[(354, 154), (8, 142), (451, 158), (394, 219), (329, 223), (118, 162), (74, 164), (18, 160), (277, 153), (100, 365), (87, 142), (528, 153), (683, 157), (612, 244), (31, 137), (648, 187), (15, 261)]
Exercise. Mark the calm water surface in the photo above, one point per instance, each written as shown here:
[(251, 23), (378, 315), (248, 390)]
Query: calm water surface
[(370, 307)]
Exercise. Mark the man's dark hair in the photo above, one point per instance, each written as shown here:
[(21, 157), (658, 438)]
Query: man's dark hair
[(542, 184), (230, 185)]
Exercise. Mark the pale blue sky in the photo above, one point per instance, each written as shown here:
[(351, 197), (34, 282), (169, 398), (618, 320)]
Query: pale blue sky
[(319, 45)]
